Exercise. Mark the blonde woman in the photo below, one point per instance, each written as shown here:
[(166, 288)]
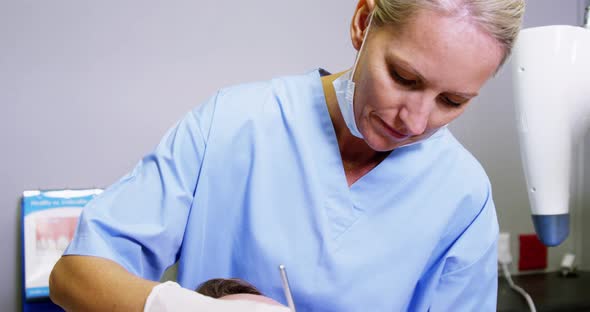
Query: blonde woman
[(351, 180)]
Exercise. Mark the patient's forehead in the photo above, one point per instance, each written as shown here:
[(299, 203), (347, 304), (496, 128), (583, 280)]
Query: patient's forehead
[(250, 297)]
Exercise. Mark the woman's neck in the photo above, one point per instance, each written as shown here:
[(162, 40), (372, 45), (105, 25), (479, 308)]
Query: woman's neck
[(355, 152)]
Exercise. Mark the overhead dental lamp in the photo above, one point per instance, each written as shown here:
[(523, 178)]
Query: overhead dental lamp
[(551, 70)]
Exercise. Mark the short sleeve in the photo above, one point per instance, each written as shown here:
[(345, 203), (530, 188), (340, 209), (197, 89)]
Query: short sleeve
[(140, 220), (471, 289), (469, 279)]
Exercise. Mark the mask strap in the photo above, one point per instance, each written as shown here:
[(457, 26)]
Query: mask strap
[(356, 61)]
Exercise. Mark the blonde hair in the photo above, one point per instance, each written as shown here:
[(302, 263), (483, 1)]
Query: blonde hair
[(499, 18)]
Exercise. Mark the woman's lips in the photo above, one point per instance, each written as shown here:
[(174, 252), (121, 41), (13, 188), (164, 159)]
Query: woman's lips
[(392, 132)]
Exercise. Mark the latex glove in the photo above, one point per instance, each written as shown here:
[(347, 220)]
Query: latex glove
[(170, 297)]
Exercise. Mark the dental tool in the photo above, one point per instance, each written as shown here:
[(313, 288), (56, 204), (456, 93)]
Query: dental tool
[(286, 288)]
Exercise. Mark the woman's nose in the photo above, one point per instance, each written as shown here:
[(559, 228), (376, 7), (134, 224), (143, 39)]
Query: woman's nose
[(415, 115)]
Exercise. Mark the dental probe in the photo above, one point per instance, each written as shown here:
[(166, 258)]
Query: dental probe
[(286, 288)]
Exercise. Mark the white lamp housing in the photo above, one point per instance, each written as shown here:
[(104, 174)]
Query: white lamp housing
[(551, 69)]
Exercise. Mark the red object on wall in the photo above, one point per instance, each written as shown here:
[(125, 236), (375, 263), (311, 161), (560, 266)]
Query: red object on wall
[(533, 254)]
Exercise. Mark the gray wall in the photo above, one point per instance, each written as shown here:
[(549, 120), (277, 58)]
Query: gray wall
[(87, 88)]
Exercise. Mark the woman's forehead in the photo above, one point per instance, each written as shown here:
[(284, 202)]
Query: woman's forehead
[(444, 49)]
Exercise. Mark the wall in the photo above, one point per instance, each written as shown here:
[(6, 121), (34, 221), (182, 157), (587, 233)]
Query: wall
[(88, 87), (585, 205), (584, 197)]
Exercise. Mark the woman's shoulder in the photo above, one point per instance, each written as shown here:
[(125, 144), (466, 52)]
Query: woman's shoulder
[(260, 105), (286, 97), (466, 164), (279, 86)]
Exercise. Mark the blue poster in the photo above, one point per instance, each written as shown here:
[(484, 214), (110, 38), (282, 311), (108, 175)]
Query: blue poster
[(49, 223)]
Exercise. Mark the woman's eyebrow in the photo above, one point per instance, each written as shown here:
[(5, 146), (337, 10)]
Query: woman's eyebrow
[(462, 94), (397, 60)]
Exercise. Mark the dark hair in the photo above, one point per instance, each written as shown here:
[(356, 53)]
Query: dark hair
[(219, 287)]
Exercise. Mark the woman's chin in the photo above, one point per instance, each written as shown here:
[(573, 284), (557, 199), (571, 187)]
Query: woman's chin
[(381, 144)]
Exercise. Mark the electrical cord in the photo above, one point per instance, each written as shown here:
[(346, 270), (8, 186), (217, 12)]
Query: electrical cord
[(518, 289)]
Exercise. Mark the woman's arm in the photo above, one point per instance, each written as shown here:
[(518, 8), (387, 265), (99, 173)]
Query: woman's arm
[(85, 283)]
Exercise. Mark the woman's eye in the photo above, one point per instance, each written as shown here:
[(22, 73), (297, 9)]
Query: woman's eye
[(403, 81), (451, 102)]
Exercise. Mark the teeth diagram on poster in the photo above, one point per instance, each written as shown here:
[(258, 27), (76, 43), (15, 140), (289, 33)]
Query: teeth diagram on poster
[(49, 223), (47, 233)]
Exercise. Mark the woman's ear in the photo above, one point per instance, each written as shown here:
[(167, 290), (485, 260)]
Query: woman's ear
[(360, 22)]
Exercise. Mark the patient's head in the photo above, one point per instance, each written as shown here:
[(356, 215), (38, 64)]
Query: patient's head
[(233, 289)]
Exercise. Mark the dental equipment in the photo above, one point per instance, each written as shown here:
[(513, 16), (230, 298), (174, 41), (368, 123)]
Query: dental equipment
[(286, 288), (551, 66)]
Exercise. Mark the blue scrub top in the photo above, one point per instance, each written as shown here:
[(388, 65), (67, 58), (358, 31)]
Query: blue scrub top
[(253, 178)]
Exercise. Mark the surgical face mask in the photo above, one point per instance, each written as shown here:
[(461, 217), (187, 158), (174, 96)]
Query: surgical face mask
[(344, 87)]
